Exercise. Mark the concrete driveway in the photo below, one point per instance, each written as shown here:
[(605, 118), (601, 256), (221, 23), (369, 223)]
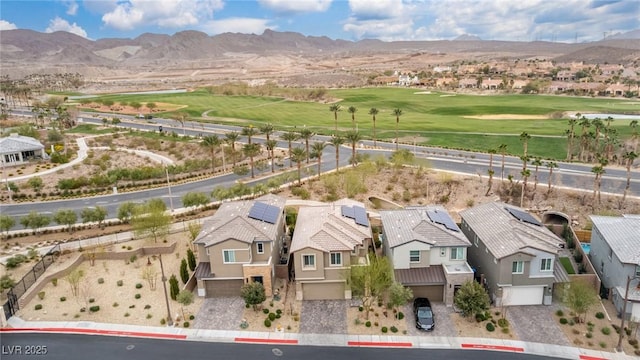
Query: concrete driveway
[(536, 323), (442, 316), (323, 317), (223, 313)]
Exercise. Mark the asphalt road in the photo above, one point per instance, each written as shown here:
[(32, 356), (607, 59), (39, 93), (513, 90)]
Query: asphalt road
[(96, 347)]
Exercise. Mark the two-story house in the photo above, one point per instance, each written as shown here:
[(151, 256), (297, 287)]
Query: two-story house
[(615, 254), (328, 240), (513, 253), (427, 251), (240, 243)]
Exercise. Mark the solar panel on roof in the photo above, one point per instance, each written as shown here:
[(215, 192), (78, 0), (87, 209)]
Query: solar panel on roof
[(271, 214), (442, 218), (257, 210), (523, 216), (360, 215), (347, 211), (264, 212)]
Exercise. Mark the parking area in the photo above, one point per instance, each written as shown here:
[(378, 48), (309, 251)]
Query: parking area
[(223, 313), (536, 323), (441, 314), (323, 317)]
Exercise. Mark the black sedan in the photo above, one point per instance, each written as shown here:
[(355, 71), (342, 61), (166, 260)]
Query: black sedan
[(424, 314)]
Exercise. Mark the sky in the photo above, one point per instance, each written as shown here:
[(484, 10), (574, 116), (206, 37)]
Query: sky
[(388, 20)]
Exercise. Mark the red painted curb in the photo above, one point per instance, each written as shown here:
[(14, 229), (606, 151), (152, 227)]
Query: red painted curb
[(266, 341), (587, 357), (99, 332), (492, 347), (379, 343)]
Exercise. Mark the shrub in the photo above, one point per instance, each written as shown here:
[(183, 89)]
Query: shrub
[(163, 321), (138, 286), (120, 282), (279, 312), (563, 321), (267, 322), (272, 316), (41, 295), (480, 317), (575, 331), (367, 324), (360, 308), (138, 296), (127, 314), (63, 298), (94, 308), (191, 317), (384, 329), (92, 300), (602, 344), (149, 316), (54, 282), (503, 323), (38, 306), (115, 304), (589, 335), (186, 324), (147, 307), (600, 315), (633, 342), (100, 281), (266, 311), (560, 313), (571, 322), (505, 330), (490, 327), (393, 329), (400, 315), (606, 330), (375, 323)]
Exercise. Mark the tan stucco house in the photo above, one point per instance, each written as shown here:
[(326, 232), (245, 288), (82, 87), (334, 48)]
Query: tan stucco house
[(241, 243)]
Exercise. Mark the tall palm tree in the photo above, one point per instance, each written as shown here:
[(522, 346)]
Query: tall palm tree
[(353, 137), (525, 175), (598, 171), (334, 108), (352, 110), (249, 132), (298, 155), (584, 137), (373, 112), (571, 135), (503, 150), (634, 134), (490, 171), (251, 151), (537, 162), (231, 138), (598, 126), (211, 142), (306, 134), (525, 137), (271, 146), (316, 152), (289, 137), (630, 157), (337, 141), (397, 112), (551, 165), (267, 129)]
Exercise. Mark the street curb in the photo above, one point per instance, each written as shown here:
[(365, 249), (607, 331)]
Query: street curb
[(98, 332), (379, 344), (265, 341), (492, 347)]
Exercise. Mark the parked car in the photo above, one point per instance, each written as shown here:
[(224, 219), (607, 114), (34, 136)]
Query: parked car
[(424, 314)]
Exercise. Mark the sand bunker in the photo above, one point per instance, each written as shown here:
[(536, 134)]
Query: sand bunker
[(507, 117)]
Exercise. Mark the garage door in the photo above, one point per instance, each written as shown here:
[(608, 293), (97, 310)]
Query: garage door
[(325, 291), (522, 295), (431, 292), (220, 288)]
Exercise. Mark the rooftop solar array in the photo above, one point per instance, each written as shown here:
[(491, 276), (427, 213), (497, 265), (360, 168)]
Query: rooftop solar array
[(347, 211), (442, 218), (523, 216), (264, 212), (357, 213)]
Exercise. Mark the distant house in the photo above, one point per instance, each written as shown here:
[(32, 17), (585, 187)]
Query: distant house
[(327, 241), (515, 255), (491, 84), (427, 251), (240, 243), (17, 149), (615, 254), (467, 83)]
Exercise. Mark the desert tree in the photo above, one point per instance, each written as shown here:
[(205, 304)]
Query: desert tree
[(95, 214), (35, 221), (298, 155), (270, 145), (551, 165), (125, 211), (290, 137), (36, 183), (150, 219), (502, 148), (150, 275), (194, 229), (150, 106), (399, 295), (368, 282), (249, 132), (6, 223), (471, 299), (580, 297), (306, 134), (184, 298), (65, 217), (373, 112), (251, 151), (212, 142), (231, 138), (629, 158), (253, 294), (352, 110), (335, 108), (195, 199), (397, 113), (490, 171), (337, 141), (74, 279), (316, 152), (353, 137)]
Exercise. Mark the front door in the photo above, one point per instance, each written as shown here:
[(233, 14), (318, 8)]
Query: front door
[(257, 279)]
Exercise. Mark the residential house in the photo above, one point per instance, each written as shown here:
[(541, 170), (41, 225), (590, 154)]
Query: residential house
[(17, 149), (615, 254), (427, 251), (565, 75), (240, 243), (328, 240), (515, 255), (519, 84), (491, 84), (468, 83)]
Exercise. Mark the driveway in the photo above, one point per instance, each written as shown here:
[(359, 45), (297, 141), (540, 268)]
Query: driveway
[(220, 314), (442, 316), (536, 323), (323, 317)]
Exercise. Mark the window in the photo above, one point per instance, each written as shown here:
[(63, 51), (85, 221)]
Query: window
[(260, 246), (308, 261), (443, 251), (229, 256), (517, 267), (414, 256), (546, 265), (336, 259), (457, 253), (638, 270)]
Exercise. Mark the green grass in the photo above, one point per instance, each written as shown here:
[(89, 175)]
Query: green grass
[(566, 264), (90, 129)]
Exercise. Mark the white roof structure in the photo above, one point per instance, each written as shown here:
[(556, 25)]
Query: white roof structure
[(17, 143)]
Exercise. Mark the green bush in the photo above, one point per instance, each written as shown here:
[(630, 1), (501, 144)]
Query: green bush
[(480, 317), (186, 324), (92, 300), (589, 335), (266, 311), (559, 312), (393, 329), (606, 330), (384, 329), (367, 324), (279, 312), (38, 306), (602, 344), (267, 322), (191, 317), (360, 308), (503, 323), (41, 295), (600, 315), (138, 296), (490, 327), (163, 321), (54, 282), (120, 282), (63, 298), (100, 281), (400, 315), (138, 286), (272, 316), (563, 321), (94, 308)]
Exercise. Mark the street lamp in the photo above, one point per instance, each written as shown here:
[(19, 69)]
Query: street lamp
[(624, 310), (166, 170)]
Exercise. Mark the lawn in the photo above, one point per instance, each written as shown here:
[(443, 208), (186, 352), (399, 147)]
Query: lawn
[(566, 263)]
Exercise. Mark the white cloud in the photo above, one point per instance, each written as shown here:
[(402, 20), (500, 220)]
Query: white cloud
[(59, 24), (386, 20), (296, 6), (100, 6), (72, 7), (237, 25), (5, 25), (379, 9)]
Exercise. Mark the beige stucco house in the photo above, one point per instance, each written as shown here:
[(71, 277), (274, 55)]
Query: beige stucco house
[(241, 243), (328, 240)]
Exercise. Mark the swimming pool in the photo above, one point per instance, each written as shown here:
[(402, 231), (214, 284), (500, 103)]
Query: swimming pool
[(586, 247)]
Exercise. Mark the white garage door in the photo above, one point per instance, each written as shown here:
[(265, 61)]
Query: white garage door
[(522, 295)]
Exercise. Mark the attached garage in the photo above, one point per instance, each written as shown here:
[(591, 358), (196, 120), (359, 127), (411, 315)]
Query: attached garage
[(522, 295), (222, 288), (323, 291), (432, 292)]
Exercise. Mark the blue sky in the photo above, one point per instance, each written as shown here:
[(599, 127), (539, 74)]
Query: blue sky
[(388, 20)]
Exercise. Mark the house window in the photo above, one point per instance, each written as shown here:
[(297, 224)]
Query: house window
[(517, 267), (414, 256), (545, 265), (336, 259), (229, 256), (457, 253), (308, 261), (638, 270), (443, 251), (260, 246)]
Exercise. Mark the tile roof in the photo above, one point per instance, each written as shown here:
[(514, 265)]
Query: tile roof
[(505, 235), (431, 275), (232, 221), (203, 270), (622, 234), (15, 142), (413, 223), (324, 228)]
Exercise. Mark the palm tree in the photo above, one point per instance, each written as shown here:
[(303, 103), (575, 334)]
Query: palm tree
[(249, 132), (251, 151), (571, 135), (352, 110), (634, 134), (503, 150), (373, 112), (306, 134), (271, 145), (598, 126), (584, 137), (211, 142), (334, 109), (630, 157), (316, 152), (298, 155), (290, 137), (490, 171), (267, 130), (353, 137), (397, 112), (524, 137), (231, 138), (598, 171), (525, 175), (337, 141), (537, 162), (551, 165)]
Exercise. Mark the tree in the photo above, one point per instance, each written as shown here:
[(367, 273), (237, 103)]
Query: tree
[(306, 134), (397, 113), (502, 148), (6, 282), (74, 279), (151, 106), (249, 132), (35, 221), (551, 165), (298, 155), (184, 272), (267, 130), (251, 151), (6, 223), (231, 138), (136, 105), (353, 137), (525, 137), (95, 214), (580, 297), (634, 134), (270, 145), (368, 282), (150, 275), (584, 137), (537, 162), (125, 211), (373, 112), (174, 288), (525, 175), (196, 199), (399, 295), (316, 152), (289, 137), (65, 217), (571, 135), (184, 298), (490, 171), (253, 294), (150, 219), (337, 141), (212, 142), (471, 298), (629, 157), (191, 259), (598, 171), (35, 183), (352, 110), (334, 109)]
